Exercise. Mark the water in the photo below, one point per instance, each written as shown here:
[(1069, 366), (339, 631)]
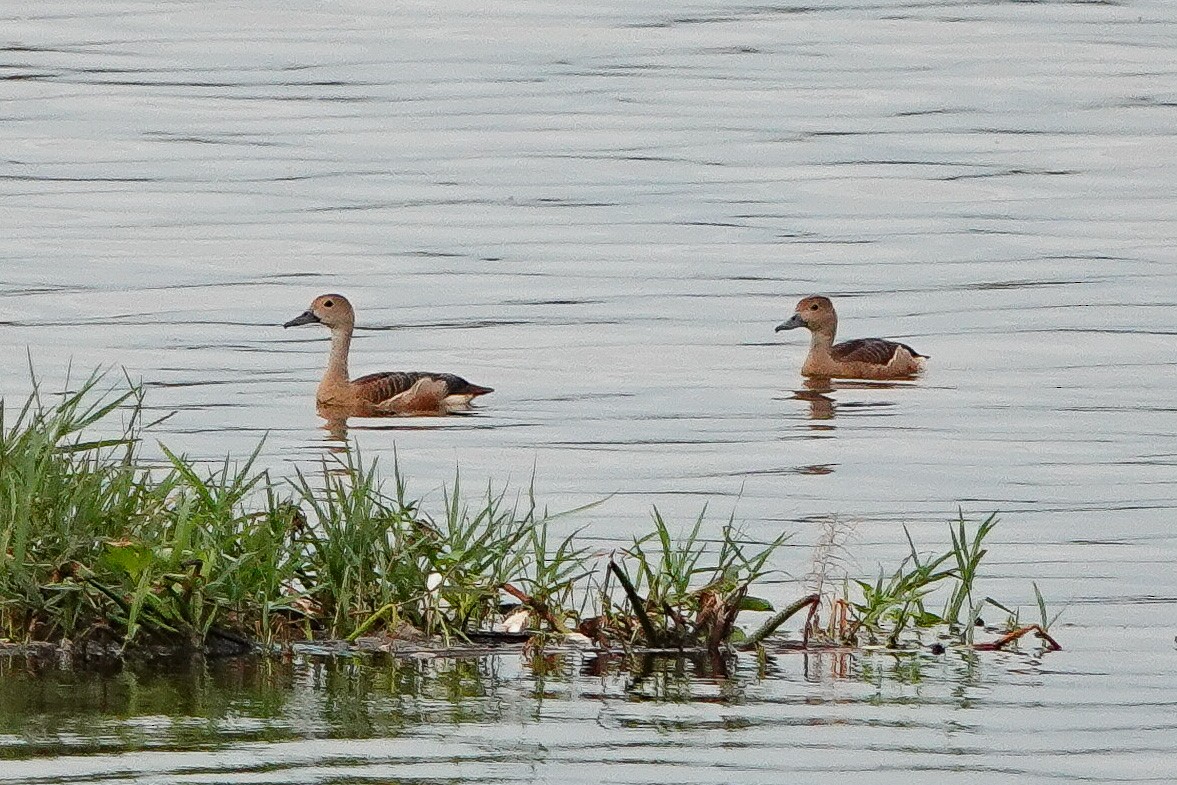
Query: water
[(823, 718), (602, 210)]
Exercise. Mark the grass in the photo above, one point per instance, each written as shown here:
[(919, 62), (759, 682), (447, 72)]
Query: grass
[(103, 549), (896, 609), (690, 600)]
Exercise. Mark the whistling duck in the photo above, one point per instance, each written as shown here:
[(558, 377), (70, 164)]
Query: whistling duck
[(390, 392), (862, 358)]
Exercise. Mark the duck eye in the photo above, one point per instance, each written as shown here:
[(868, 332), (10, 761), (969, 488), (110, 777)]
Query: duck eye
[(328, 303), (813, 307)]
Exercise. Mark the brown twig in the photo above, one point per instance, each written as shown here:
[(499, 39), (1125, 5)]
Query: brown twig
[(729, 610), (810, 620), (652, 637), (679, 620), (1010, 637), (769, 627), (539, 607)]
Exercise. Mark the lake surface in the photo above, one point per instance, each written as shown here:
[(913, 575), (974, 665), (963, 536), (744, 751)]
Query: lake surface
[(602, 210)]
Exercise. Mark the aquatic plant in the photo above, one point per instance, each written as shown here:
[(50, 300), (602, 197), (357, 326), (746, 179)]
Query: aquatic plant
[(97, 544), (104, 549), (676, 598), (894, 609)]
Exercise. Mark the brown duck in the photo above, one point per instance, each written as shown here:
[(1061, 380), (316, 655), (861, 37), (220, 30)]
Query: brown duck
[(862, 358), (390, 392)]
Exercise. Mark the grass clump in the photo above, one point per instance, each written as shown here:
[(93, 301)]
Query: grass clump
[(94, 540), (97, 541), (897, 610), (689, 600), (101, 547)]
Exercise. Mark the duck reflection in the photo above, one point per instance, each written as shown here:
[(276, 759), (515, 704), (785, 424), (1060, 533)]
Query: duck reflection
[(336, 428), (337, 422), (821, 405), (824, 406)]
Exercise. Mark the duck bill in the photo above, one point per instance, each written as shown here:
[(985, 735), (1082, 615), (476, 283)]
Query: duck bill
[(792, 324), (306, 317)]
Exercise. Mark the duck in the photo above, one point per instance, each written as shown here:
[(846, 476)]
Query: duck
[(862, 358), (378, 394)]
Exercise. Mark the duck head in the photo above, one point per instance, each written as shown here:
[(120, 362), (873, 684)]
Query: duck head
[(813, 313), (330, 310)]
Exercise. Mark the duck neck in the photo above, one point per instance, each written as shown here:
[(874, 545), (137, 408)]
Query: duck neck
[(336, 373), (821, 340)]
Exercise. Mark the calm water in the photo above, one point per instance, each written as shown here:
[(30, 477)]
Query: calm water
[(602, 210)]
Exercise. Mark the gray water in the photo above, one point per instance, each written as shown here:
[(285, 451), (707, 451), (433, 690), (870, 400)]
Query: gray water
[(602, 210)]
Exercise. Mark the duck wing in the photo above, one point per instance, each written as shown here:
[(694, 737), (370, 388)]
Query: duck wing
[(377, 387), (870, 350)]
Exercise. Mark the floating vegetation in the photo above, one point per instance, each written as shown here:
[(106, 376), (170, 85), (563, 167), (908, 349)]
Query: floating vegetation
[(103, 550), (896, 609)]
